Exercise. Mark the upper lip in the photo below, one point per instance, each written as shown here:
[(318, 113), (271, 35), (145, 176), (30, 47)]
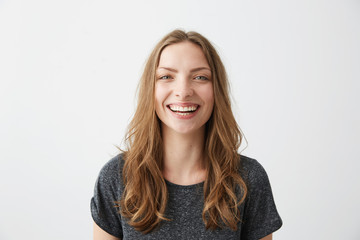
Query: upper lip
[(183, 104)]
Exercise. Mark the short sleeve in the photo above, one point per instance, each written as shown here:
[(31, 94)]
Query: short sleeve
[(261, 217), (106, 193)]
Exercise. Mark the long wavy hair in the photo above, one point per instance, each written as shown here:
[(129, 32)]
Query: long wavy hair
[(145, 195)]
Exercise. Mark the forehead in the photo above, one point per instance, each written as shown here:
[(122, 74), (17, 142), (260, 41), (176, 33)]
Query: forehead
[(183, 55)]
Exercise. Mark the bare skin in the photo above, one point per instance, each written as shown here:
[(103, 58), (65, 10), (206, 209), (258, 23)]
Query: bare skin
[(99, 234), (183, 158), (183, 78)]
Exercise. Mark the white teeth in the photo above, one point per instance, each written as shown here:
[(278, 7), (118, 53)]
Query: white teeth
[(182, 109)]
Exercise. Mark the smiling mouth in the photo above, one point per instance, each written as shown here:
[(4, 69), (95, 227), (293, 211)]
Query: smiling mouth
[(183, 111)]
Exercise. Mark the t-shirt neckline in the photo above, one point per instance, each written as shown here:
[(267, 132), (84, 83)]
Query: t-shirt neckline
[(174, 185)]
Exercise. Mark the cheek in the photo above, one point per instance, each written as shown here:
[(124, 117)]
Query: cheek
[(160, 95), (207, 94)]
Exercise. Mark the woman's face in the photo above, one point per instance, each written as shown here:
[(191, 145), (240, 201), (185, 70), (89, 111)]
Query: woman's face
[(184, 96)]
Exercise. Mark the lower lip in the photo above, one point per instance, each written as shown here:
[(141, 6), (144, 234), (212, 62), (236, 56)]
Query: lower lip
[(187, 116)]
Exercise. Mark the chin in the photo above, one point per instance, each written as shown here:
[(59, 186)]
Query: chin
[(185, 129)]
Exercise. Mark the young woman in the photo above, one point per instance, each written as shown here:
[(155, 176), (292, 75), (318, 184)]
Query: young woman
[(181, 176)]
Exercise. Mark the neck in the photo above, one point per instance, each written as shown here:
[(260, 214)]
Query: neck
[(183, 161)]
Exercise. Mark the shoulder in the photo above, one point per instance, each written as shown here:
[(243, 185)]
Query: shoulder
[(111, 171), (260, 217), (252, 172), (107, 192), (250, 166), (114, 164)]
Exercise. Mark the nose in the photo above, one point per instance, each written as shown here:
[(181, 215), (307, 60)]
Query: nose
[(183, 89)]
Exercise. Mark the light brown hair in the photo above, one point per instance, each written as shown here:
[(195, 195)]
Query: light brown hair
[(145, 196)]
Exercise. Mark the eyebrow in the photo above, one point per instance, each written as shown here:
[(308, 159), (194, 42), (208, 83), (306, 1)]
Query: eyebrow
[(192, 70)]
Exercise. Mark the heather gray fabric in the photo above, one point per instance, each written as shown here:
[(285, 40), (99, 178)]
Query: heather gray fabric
[(185, 204)]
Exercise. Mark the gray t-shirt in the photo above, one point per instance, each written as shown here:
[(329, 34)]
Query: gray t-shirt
[(259, 216)]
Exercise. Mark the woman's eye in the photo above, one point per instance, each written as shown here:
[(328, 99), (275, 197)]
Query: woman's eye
[(201, 78), (165, 77)]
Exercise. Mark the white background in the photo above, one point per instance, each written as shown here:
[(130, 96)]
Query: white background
[(68, 75)]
